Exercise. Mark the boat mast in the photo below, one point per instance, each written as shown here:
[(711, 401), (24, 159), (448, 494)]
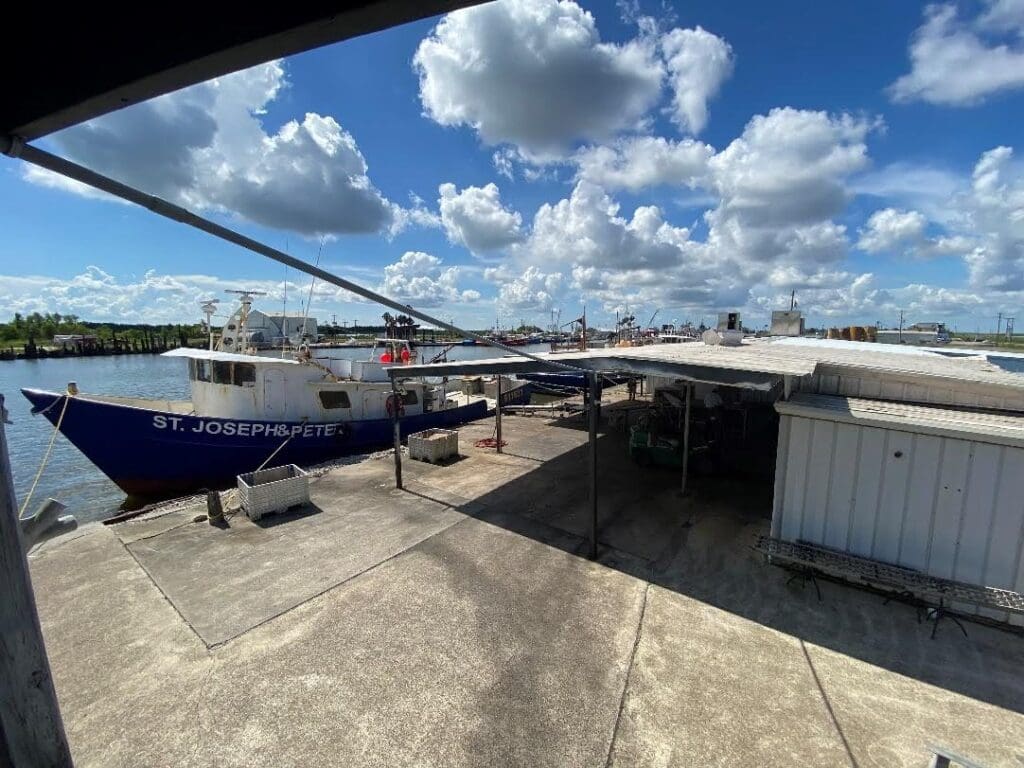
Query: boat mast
[(245, 299), (209, 307), (305, 316)]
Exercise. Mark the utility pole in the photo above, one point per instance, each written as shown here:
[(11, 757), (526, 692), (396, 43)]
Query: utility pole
[(901, 326), (999, 324), (792, 300)]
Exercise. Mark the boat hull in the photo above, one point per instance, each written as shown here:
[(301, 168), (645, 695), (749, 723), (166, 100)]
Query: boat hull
[(151, 453)]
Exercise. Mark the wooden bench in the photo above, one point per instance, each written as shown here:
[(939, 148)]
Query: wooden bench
[(927, 590)]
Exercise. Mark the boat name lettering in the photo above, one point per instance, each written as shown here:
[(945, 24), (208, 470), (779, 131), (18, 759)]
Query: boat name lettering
[(245, 428)]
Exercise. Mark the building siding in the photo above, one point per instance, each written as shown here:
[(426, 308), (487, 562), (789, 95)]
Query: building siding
[(951, 507)]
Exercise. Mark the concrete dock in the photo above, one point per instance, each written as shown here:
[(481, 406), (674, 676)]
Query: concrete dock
[(458, 623)]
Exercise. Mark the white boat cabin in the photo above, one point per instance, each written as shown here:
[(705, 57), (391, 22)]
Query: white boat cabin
[(317, 388)]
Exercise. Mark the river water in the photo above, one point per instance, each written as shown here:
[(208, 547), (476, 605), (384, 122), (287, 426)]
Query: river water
[(71, 478)]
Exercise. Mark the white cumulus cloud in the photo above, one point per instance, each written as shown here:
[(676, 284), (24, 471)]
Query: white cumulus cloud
[(206, 147), (476, 218), (535, 73), (645, 161), (996, 206), (781, 182), (420, 279), (890, 229), (532, 290), (961, 62), (698, 63)]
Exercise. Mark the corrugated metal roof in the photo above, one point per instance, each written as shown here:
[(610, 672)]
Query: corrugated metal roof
[(771, 358), (963, 423), (732, 366)]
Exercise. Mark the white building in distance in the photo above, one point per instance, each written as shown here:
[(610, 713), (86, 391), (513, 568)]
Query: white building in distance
[(264, 330)]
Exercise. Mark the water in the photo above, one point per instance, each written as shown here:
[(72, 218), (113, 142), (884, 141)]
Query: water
[(70, 477), (1012, 364)]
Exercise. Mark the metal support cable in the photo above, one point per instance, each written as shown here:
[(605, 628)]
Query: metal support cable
[(17, 148)]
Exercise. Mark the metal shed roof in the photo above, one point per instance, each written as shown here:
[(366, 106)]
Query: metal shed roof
[(963, 423), (759, 363), (732, 366)]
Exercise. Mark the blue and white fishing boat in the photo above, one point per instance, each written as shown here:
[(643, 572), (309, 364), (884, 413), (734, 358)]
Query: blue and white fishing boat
[(246, 409)]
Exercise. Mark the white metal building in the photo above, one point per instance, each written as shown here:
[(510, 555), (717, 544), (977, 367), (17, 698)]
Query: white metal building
[(263, 328), (936, 489)]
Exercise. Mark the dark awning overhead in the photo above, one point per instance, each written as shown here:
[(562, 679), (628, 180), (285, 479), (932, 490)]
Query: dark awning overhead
[(68, 64), (658, 360)]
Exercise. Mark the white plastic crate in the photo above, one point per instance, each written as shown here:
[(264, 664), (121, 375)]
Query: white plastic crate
[(272, 490), (434, 445)]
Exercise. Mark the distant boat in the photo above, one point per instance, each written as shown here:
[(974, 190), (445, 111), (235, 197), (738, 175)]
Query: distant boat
[(246, 409)]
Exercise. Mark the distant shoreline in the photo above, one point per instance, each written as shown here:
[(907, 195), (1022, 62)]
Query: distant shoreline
[(48, 353)]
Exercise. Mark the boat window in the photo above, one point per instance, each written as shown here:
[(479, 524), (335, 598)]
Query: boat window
[(221, 372), (202, 370), (409, 398), (335, 398), (245, 373)]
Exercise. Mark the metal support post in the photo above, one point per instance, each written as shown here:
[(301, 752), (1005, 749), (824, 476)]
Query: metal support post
[(31, 729), (398, 433), (686, 435), (594, 414), (497, 414)]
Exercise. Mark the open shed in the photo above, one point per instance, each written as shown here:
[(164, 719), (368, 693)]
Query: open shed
[(903, 456)]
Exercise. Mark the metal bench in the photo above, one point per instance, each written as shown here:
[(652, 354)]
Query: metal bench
[(942, 757), (931, 592)]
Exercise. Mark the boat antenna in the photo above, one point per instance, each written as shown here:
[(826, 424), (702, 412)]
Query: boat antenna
[(312, 282), (245, 298), (209, 306), (284, 307)]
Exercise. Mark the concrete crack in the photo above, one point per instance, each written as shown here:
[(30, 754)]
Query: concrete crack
[(629, 675)]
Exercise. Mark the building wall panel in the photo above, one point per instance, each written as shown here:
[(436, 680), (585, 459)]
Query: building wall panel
[(922, 495), (843, 487), (865, 506), (951, 507), (893, 496), (795, 488)]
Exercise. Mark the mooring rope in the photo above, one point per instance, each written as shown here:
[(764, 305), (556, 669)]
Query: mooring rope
[(49, 450), (278, 449)]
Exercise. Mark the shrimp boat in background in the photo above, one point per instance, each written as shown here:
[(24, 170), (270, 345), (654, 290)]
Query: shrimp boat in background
[(246, 408)]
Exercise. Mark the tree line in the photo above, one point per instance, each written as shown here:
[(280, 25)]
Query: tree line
[(40, 328)]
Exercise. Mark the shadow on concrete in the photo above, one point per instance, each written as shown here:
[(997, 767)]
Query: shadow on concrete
[(290, 516), (701, 546)]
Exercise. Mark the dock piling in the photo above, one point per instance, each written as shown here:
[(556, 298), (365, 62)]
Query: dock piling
[(398, 433), (497, 412), (686, 437), (594, 415), (31, 728)]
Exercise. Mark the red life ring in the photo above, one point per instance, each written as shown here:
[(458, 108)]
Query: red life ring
[(405, 355), (390, 405)]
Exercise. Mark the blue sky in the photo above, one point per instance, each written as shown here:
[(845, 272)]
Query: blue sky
[(530, 155)]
